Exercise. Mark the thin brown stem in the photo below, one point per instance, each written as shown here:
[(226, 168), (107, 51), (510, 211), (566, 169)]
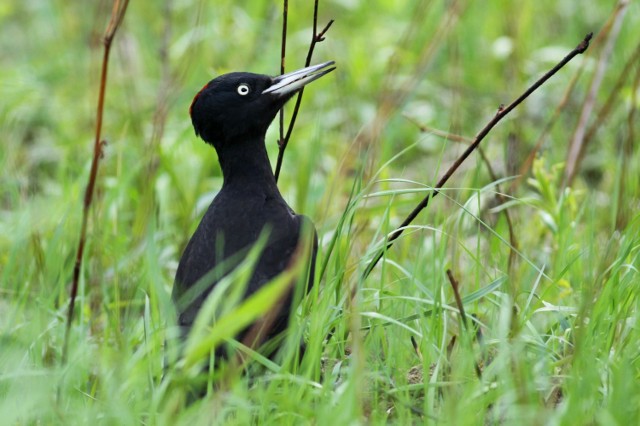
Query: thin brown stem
[(624, 211), (316, 38), (528, 162), (604, 112), (117, 15), (283, 54), (578, 143), (456, 295), (492, 175), (502, 112), (463, 316)]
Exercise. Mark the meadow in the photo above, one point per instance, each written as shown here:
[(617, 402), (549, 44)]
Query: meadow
[(512, 298)]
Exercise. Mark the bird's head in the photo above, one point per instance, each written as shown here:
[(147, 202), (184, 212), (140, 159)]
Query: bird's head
[(242, 105)]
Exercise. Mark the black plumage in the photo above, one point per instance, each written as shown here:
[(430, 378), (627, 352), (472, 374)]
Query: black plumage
[(232, 113)]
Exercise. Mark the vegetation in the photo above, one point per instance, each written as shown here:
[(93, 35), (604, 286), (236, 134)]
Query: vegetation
[(551, 302)]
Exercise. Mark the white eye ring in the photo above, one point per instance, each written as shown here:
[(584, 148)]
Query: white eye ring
[(243, 89)]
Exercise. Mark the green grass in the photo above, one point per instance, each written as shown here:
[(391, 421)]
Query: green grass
[(559, 328)]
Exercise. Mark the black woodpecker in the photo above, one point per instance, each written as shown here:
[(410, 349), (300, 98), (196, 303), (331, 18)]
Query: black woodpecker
[(232, 112)]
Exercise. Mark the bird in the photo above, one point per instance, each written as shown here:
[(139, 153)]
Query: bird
[(232, 113)]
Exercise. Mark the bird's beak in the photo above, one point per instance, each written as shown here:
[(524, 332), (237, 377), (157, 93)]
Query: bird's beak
[(296, 80)]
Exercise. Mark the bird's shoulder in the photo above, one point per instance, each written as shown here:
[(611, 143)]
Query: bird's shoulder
[(231, 209)]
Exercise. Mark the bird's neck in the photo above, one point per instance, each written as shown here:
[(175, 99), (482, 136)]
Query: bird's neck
[(245, 165)]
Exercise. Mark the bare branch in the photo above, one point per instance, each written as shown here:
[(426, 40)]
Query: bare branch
[(117, 15), (317, 37), (502, 112), (463, 316), (578, 142), (499, 195), (283, 54)]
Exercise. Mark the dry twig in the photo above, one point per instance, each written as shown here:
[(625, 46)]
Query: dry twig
[(578, 142), (499, 195), (117, 15), (502, 112), (316, 38), (463, 316)]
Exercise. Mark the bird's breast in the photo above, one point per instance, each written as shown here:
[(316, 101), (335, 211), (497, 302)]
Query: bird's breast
[(241, 219)]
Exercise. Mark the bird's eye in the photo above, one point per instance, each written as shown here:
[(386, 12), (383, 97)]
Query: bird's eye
[(243, 89)]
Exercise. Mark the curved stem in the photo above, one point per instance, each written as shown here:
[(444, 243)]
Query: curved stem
[(500, 114)]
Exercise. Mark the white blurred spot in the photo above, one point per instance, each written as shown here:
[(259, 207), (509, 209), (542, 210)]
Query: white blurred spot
[(502, 47)]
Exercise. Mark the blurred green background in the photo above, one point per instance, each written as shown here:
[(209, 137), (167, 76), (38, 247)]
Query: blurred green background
[(446, 65)]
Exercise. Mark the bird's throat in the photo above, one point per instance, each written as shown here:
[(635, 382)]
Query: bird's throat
[(245, 164)]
